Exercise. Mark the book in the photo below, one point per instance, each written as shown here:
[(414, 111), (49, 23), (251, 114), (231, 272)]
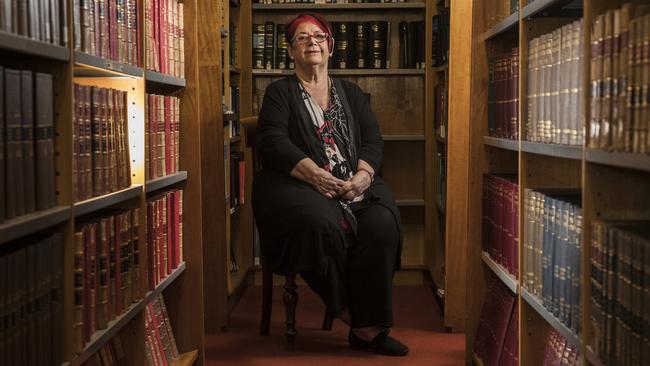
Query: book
[(44, 141), (13, 145)]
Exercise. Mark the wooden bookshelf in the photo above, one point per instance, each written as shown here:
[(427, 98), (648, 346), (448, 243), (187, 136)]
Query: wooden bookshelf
[(32, 223), (99, 338), (554, 150), (157, 80), (624, 160), (551, 319), (27, 46), (539, 6), (92, 66), (97, 203), (185, 298), (151, 295), (345, 72), (411, 202), (506, 25), (349, 6), (511, 283), (165, 182), (404, 137), (500, 143)]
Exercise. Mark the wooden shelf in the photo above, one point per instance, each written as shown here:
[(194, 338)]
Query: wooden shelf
[(92, 66), (592, 357), (349, 6), (403, 137), (505, 277), (21, 44), (165, 283), (164, 182), (345, 72), (410, 202), (186, 359), (32, 223), (99, 338), (551, 319), (555, 150), (620, 159), (503, 26), (500, 143), (108, 200), (157, 80), (440, 68)]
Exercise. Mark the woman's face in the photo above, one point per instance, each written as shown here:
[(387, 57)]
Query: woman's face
[(305, 48)]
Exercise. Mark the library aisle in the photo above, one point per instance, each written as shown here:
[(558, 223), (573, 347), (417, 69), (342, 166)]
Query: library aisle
[(515, 139), (422, 330)]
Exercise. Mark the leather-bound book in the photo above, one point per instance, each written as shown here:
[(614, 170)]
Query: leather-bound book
[(44, 140), (360, 40), (377, 44), (13, 149)]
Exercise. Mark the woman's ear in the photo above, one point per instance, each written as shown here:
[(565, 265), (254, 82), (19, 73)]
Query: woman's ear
[(331, 44)]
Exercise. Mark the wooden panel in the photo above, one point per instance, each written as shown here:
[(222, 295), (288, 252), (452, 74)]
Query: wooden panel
[(533, 335), (547, 172), (403, 168), (208, 54), (608, 201), (184, 298)]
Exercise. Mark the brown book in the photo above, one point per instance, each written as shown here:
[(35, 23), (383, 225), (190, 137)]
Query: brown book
[(606, 100), (76, 144), (168, 326), (14, 160), (111, 160), (44, 140), (27, 104), (97, 133), (645, 87), (135, 244), (77, 326), (102, 296), (113, 224), (597, 44)]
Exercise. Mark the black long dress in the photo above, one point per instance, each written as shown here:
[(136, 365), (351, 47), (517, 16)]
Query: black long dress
[(303, 231)]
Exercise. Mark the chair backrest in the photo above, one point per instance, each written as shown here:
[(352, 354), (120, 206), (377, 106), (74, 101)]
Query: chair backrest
[(250, 128)]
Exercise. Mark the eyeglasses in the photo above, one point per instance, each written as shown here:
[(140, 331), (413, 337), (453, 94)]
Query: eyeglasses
[(303, 38)]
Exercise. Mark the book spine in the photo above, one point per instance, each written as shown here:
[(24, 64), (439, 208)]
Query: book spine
[(13, 144), (44, 141), (27, 103)]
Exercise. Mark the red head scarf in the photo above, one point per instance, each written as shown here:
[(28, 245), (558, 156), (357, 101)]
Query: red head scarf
[(313, 18)]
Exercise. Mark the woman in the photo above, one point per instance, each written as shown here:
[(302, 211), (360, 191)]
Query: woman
[(320, 208)]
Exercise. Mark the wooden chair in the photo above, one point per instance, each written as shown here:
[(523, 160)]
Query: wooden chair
[(290, 297)]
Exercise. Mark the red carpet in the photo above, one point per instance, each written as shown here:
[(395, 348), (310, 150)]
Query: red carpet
[(418, 324)]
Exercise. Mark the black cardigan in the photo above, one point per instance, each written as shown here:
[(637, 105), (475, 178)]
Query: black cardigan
[(281, 141)]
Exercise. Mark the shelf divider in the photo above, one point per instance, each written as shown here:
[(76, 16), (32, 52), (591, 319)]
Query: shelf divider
[(98, 203), (505, 277), (551, 319), (620, 159), (33, 222), (505, 25), (555, 150), (166, 181), (28, 46)]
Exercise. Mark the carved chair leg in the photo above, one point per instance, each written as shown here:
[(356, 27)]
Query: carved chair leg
[(290, 301), (267, 298), (327, 321)]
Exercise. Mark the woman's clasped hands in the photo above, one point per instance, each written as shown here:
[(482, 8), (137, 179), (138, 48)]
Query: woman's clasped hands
[(333, 187)]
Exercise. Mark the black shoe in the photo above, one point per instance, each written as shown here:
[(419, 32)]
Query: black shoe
[(382, 344)]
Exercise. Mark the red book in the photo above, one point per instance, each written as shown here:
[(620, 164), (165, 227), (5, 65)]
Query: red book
[(168, 134), (510, 351), (150, 244), (170, 254), (119, 296), (178, 257)]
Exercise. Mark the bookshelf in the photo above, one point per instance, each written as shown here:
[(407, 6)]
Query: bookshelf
[(183, 287), (27, 46), (347, 72), (609, 182), (503, 275), (349, 6)]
